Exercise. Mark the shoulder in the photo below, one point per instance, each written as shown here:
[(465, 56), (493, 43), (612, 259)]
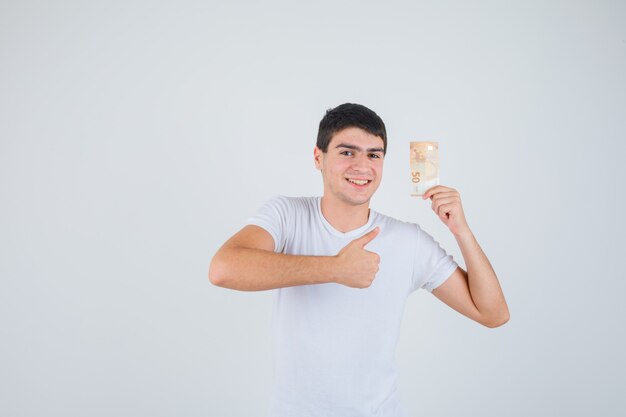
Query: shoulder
[(396, 226), (292, 201), (396, 230), (286, 204), (403, 229)]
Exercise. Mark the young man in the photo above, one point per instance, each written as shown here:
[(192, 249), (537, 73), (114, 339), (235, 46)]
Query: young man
[(339, 305)]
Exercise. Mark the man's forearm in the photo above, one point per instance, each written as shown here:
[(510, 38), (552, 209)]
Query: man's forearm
[(482, 280), (248, 269)]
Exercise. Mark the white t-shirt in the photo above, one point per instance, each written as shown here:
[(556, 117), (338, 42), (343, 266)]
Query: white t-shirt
[(333, 345)]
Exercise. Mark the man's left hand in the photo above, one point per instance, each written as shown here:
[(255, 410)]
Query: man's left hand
[(447, 205)]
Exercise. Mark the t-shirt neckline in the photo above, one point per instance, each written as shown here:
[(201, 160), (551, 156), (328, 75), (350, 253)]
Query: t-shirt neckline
[(352, 233)]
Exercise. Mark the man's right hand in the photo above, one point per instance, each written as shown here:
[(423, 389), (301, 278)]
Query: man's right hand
[(357, 267)]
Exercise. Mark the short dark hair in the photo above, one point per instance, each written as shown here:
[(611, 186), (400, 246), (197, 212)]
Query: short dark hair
[(349, 115)]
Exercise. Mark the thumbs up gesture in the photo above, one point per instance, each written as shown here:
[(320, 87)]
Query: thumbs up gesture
[(356, 266)]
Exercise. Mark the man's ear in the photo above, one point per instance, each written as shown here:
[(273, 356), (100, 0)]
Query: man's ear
[(318, 158)]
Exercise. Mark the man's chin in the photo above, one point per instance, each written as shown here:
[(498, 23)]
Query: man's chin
[(356, 201)]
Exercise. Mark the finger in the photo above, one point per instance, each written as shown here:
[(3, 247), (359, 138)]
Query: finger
[(376, 256), (368, 237), (441, 201), (445, 194), (434, 190), (444, 210), (431, 191)]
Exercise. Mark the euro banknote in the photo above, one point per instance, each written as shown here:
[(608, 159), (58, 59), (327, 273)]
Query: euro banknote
[(424, 167)]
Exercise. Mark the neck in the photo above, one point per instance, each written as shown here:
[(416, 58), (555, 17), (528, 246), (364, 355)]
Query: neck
[(344, 217)]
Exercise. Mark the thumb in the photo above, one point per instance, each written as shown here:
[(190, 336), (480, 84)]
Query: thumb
[(368, 237)]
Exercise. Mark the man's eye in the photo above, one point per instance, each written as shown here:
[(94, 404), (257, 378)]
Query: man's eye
[(374, 155), (347, 153)]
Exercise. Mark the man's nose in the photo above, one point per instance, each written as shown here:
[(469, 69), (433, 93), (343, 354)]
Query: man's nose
[(360, 162)]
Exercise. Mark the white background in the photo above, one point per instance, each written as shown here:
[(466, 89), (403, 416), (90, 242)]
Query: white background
[(137, 136)]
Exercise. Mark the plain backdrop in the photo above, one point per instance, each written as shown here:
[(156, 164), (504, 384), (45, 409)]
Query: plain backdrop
[(137, 136)]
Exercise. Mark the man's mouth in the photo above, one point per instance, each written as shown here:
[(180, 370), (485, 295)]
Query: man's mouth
[(360, 183)]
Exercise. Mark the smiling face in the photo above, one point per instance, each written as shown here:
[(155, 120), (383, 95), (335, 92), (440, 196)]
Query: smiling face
[(352, 168)]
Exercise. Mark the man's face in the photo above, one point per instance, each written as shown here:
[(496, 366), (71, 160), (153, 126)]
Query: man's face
[(352, 168)]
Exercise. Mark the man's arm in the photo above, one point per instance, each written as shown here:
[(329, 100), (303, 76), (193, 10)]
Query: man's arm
[(476, 293), (477, 296), (247, 262)]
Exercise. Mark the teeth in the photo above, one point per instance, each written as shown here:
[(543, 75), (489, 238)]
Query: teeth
[(358, 182)]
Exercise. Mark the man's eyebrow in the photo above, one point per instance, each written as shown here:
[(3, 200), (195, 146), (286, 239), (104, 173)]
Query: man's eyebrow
[(356, 148)]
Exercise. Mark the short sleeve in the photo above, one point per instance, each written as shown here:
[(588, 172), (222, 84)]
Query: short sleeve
[(432, 266), (274, 216)]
